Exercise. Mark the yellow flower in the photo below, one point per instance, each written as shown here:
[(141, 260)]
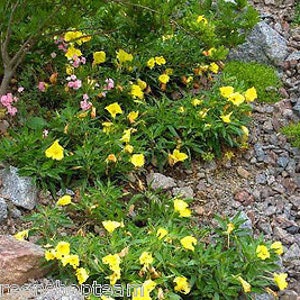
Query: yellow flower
[(107, 126), (203, 112), (22, 235), (182, 285), (64, 200), (164, 78), (99, 57), (181, 109), (151, 63), (113, 260), (245, 130), (126, 135), (140, 294), (277, 247), (211, 50), (214, 68), (113, 278), (146, 258), (262, 252), (196, 102), (72, 51), (132, 116), (230, 228), (280, 280), (176, 157), (111, 158), (128, 148), (72, 35), (136, 91), (110, 226), (123, 56), (138, 160), (250, 94), (142, 84), (236, 98), (62, 249), (161, 233), (182, 208), (69, 70), (50, 255), (226, 118), (72, 260), (106, 298), (55, 151), (226, 91), (188, 242), (246, 286), (82, 275), (202, 19), (160, 60), (114, 109)]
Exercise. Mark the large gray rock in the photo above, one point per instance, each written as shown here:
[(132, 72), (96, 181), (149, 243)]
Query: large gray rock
[(19, 261), (160, 181), (263, 45), (19, 190), (3, 210)]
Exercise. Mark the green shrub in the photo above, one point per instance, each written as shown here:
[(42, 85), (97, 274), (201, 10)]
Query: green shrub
[(110, 237), (263, 77), (292, 131)]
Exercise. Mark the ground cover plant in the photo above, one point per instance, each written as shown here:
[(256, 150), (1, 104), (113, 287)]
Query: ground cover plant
[(109, 97)]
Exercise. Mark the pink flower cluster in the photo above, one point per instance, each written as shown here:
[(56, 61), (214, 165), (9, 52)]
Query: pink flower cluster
[(110, 84), (61, 44), (74, 83), (7, 100), (76, 62), (85, 104)]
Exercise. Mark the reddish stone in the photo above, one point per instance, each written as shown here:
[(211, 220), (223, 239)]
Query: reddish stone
[(244, 197), (19, 261)]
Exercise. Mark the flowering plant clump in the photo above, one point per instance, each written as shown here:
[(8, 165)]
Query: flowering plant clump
[(178, 258)]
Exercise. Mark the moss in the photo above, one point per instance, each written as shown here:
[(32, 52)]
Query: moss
[(264, 78), (292, 131)]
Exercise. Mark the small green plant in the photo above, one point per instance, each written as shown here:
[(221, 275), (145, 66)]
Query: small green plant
[(151, 240), (292, 131), (263, 77), (296, 18)]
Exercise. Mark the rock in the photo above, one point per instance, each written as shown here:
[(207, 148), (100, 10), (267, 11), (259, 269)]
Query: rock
[(160, 181), (289, 295), (259, 152), (265, 227), (261, 178), (3, 210), (19, 261), (263, 45), (183, 192), (243, 172), (268, 126), (292, 254), (283, 161), (247, 223), (19, 190), (244, 197), (64, 293), (264, 296), (293, 56), (295, 200)]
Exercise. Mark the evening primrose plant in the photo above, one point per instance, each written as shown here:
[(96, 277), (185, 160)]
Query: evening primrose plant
[(134, 241)]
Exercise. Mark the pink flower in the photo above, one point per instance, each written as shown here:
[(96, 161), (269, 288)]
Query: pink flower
[(110, 84), (85, 105), (85, 97), (83, 60), (6, 100), (12, 110), (73, 77), (42, 86), (75, 84), (53, 54), (45, 133), (20, 89)]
